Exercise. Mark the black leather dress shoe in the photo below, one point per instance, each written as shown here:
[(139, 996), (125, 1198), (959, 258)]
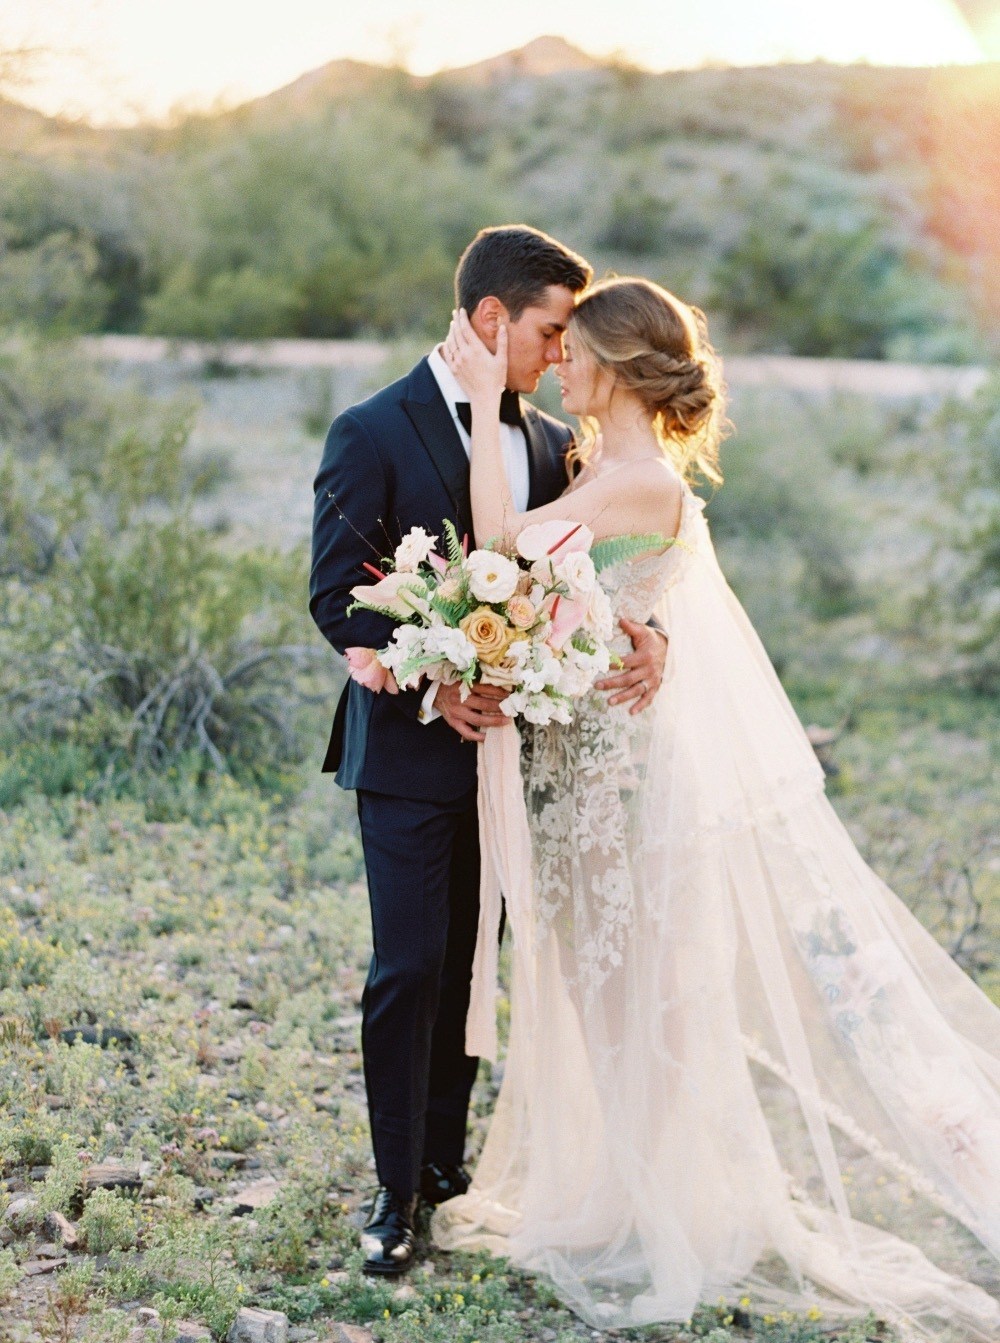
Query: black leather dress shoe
[(440, 1182), (388, 1237)]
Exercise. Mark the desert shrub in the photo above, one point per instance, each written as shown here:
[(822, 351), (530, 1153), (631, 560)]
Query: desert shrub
[(242, 304), (53, 286), (636, 220), (964, 595), (780, 504), (10, 1274), (834, 285), (292, 232), (110, 1221), (157, 645), (131, 638)]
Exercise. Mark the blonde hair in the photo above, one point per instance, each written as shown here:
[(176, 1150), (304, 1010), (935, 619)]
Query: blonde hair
[(657, 347)]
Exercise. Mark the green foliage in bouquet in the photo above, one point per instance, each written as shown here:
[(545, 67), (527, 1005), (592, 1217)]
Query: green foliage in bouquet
[(619, 549)]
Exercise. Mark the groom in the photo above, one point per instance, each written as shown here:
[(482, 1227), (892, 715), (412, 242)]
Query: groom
[(396, 461)]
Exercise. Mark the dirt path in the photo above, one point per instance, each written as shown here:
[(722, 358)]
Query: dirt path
[(863, 377)]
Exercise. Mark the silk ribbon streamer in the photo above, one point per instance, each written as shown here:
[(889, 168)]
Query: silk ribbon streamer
[(505, 847)]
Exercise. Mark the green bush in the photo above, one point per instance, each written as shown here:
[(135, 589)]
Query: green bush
[(964, 594), (240, 304), (110, 1221), (158, 645), (52, 287), (834, 288), (131, 639)]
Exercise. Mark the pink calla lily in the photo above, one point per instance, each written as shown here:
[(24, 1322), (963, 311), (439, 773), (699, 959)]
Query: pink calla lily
[(567, 617), (396, 593), (553, 540)]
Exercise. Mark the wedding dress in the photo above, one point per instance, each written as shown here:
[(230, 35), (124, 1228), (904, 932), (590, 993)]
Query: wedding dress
[(737, 1064)]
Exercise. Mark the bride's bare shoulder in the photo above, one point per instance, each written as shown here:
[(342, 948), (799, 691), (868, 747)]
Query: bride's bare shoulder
[(661, 490)]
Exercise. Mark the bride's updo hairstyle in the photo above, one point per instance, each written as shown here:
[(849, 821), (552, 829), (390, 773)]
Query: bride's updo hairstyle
[(658, 348)]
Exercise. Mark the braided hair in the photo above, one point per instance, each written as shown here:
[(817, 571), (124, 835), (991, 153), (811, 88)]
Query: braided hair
[(657, 347)]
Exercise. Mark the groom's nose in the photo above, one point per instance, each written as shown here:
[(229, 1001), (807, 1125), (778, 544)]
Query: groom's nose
[(554, 350)]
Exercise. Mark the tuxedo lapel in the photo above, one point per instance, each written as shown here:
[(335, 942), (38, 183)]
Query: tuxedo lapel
[(538, 454), (436, 430), (546, 472)]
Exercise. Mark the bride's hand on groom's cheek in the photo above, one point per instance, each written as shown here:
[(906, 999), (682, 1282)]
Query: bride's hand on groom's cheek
[(642, 670), (479, 371), (479, 711)]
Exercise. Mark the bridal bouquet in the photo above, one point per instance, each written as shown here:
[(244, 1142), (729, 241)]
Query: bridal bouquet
[(533, 618)]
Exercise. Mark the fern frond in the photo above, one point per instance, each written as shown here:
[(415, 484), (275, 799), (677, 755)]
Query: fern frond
[(382, 611), (450, 612), (617, 549), (452, 542)]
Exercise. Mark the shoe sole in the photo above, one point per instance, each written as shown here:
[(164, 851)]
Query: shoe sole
[(385, 1271)]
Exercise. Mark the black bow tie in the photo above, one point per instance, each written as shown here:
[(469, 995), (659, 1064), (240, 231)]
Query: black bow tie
[(510, 410)]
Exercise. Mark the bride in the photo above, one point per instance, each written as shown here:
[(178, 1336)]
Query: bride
[(737, 1064)]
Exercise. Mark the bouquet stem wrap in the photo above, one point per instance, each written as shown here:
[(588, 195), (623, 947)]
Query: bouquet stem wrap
[(505, 845)]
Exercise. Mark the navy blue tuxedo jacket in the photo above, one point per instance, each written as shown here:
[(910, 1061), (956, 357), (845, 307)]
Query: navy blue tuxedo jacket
[(394, 462)]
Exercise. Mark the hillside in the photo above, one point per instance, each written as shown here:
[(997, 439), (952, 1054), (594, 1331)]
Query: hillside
[(817, 209)]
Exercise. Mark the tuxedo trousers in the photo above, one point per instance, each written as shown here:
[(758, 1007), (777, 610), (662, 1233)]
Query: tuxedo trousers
[(422, 862)]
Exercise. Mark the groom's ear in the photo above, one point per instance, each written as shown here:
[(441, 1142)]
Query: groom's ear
[(487, 318)]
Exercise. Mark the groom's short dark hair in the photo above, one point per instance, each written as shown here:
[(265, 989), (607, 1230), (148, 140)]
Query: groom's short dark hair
[(516, 264)]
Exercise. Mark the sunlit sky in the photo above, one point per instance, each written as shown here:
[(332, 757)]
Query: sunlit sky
[(114, 60)]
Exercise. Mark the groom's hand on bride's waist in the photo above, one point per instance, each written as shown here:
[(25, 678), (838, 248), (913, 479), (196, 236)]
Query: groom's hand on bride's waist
[(479, 711), (642, 670)]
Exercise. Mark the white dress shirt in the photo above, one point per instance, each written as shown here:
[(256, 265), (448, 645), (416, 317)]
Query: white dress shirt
[(515, 459)]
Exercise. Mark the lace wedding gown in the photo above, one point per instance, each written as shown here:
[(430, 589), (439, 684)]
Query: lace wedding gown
[(737, 1063)]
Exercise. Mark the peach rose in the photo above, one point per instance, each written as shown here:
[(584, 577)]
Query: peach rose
[(449, 589), (488, 633), (521, 612)]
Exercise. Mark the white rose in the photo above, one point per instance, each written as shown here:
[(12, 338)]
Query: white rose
[(600, 619), (414, 548), (492, 577), (578, 573), (451, 645)]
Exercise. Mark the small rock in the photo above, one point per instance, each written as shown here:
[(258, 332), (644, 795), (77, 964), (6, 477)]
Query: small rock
[(203, 1196), (229, 1160), (111, 1175), (190, 1332), (49, 1251), (406, 1293), (62, 1229), (20, 1210), (7, 1236), (255, 1196), (338, 1277), (350, 1333), (302, 1335), (258, 1326), (147, 1315), (97, 1035), (34, 1267)]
